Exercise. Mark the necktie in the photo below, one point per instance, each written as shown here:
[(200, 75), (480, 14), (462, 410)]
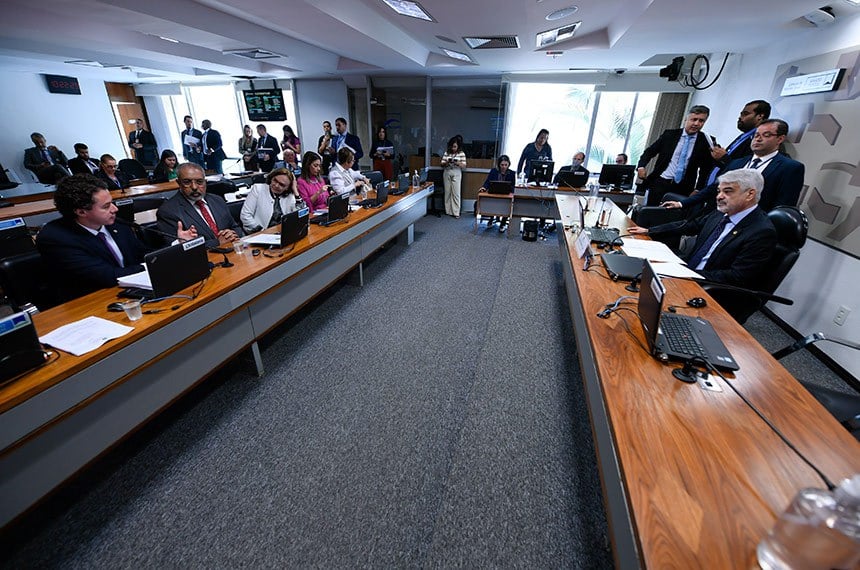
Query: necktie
[(93, 167), (277, 214), (682, 159), (700, 253), (205, 146), (47, 156), (204, 211), (755, 163), (103, 239)]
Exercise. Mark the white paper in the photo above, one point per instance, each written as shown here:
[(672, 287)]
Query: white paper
[(675, 270), (83, 336), (263, 239), (384, 149), (139, 280), (191, 141), (650, 250), (583, 240)]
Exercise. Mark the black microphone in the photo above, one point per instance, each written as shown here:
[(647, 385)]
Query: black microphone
[(760, 294), (633, 286), (226, 262)]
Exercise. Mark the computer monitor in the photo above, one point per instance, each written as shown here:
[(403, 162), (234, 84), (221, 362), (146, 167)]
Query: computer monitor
[(619, 176), (540, 171)]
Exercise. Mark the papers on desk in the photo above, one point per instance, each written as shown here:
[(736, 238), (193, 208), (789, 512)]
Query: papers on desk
[(83, 336), (137, 280), (675, 270), (263, 239), (650, 250)]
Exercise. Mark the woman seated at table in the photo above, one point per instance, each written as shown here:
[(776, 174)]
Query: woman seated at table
[(266, 204), (312, 188), (503, 173), (248, 149), (342, 177), (166, 169)]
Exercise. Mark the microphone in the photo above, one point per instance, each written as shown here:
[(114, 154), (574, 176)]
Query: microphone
[(633, 286), (760, 294), (226, 262)]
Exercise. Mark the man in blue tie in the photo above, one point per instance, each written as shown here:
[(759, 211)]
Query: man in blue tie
[(683, 159), (48, 163), (750, 117)]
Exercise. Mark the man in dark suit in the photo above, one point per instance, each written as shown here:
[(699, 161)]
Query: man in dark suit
[(733, 243), (82, 163), (345, 138), (213, 150), (574, 166), (143, 145), (783, 176), (48, 163), (84, 249), (750, 117), (192, 148), (683, 159), (113, 179), (267, 149), (192, 208)]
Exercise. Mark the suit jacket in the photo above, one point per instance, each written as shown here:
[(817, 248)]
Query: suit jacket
[(353, 142), (268, 145), (213, 142), (178, 208), (699, 165), (79, 263), (111, 185), (33, 158), (742, 255), (78, 165), (190, 153), (741, 150), (783, 181), (148, 154)]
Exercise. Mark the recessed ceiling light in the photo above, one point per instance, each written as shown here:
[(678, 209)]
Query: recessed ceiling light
[(171, 40), (446, 39), (556, 35), (457, 55), (409, 8), (562, 13), (853, 2), (84, 62)]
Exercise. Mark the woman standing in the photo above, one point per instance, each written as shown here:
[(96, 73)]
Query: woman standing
[(312, 188), (291, 141), (166, 169), (504, 173), (248, 149), (538, 150), (382, 151), (454, 161)]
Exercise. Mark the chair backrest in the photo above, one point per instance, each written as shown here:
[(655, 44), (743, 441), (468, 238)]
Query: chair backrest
[(791, 228), (25, 279), (258, 179), (146, 203), (649, 216), (132, 168), (221, 187), (374, 176), (235, 209)]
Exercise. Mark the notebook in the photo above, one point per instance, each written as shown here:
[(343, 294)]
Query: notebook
[(572, 178), (673, 336), (500, 187), (338, 208)]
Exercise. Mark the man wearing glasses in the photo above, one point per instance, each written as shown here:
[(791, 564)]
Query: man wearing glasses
[(192, 207), (783, 176)]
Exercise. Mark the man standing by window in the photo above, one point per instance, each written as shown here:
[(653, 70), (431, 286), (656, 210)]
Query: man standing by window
[(192, 143), (213, 150), (142, 144)]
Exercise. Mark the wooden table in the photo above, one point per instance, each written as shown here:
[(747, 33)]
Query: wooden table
[(56, 419), (691, 478)]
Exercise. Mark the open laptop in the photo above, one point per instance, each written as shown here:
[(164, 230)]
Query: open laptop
[(169, 270), (673, 336), (381, 196), (294, 226), (572, 178), (402, 185), (338, 209), (500, 187)]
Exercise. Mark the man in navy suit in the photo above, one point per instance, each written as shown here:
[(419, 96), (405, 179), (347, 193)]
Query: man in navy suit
[(82, 163), (733, 243), (143, 145), (750, 117), (783, 176), (267, 149), (48, 163), (192, 208), (213, 150), (683, 159), (192, 148), (345, 138), (84, 250)]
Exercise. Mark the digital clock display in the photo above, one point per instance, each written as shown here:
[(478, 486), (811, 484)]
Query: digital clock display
[(63, 84)]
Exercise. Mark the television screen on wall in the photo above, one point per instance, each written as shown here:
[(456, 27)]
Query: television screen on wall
[(265, 105)]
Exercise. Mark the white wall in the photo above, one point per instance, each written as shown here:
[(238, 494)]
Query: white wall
[(823, 278), (318, 101), (26, 106)]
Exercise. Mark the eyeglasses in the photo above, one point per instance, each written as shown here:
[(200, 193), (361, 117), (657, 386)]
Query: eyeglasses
[(192, 181), (759, 135)]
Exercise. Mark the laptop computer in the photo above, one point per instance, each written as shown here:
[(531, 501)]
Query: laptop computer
[(572, 178), (338, 209), (500, 187), (176, 267), (622, 267), (677, 337), (294, 226), (380, 199), (14, 238), (402, 185), (125, 209)]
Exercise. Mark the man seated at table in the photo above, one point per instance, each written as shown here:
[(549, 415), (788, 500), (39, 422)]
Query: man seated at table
[(266, 204), (191, 206), (291, 162), (574, 166), (82, 163), (48, 163), (113, 178), (733, 243), (621, 158), (84, 250)]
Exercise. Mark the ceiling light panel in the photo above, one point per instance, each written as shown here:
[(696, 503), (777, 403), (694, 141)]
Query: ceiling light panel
[(556, 35), (457, 55), (410, 9)]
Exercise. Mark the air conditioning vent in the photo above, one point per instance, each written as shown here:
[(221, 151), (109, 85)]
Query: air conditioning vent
[(492, 42), (253, 53)]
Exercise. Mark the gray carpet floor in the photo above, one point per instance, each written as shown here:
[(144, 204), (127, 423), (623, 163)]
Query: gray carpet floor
[(433, 418)]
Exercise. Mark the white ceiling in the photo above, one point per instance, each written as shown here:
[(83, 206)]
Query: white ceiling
[(343, 38)]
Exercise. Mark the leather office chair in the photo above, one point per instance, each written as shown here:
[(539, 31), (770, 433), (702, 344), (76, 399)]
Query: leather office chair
[(235, 209), (25, 280), (147, 203), (258, 179), (374, 176), (133, 169), (221, 187), (791, 228), (435, 175), (650, 216)]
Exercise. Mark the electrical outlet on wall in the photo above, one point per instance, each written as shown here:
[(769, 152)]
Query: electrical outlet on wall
[(841, 315)]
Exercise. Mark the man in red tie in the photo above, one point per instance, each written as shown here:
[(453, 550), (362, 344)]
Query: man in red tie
[(191, 206)]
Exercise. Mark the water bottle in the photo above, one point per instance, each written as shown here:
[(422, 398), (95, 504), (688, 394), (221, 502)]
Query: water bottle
[(820, 529), (416, 180)]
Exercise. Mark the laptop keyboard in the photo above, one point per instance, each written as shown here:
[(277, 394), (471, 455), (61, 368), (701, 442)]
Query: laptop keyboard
[(604, 235), (679, 336)]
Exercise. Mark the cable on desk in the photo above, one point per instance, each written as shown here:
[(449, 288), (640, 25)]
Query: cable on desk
[(612, 307), (764, 418), (629, 330)]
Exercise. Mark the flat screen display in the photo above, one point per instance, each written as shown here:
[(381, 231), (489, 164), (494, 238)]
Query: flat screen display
[(265, 105), (62, 84)]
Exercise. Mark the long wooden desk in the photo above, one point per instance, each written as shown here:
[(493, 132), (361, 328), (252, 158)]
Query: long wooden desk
[(58, 418), (691, 478)]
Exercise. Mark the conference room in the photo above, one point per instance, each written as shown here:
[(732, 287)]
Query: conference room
[(402, 389)]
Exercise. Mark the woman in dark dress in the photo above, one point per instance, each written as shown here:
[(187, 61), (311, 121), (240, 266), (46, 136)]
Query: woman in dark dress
[(382, 159)]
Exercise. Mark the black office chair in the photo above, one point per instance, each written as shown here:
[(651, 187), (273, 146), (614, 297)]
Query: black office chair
[(221, 187), (435, 175), (374, 176), (146, 203), (235, 209), (25, 280), (650, 216), (133, 169), (258, 179), (844, 407), (791, 228)]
